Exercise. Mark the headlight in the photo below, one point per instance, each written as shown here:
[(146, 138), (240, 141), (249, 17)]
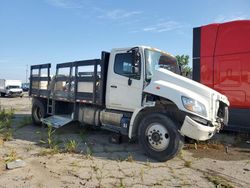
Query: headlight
[(194, 106)]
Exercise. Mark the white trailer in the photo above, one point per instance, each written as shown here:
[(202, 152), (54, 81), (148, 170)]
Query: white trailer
[(10, 87)]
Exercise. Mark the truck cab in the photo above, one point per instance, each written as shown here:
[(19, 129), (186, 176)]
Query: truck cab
[(136, 91)]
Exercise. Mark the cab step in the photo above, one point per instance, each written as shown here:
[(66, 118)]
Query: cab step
[(57, 121)]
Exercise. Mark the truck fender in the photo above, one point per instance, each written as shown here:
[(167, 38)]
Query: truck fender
[(148, 107), (135, 115), (132, 120)]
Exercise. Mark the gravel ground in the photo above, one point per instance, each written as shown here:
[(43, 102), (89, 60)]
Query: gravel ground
[(98, 163)]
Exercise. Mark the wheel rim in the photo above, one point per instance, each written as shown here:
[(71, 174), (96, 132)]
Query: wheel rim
[(158, 136)]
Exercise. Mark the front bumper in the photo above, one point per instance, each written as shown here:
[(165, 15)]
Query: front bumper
[(14, 94), (195, 130)]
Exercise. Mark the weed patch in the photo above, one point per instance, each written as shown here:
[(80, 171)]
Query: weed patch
[(12, 156), (204, 145), (51, 142), (121, 184), (188, 164), (47, 151), (130, 158), (6, 131), (218, 181), (71, 146)]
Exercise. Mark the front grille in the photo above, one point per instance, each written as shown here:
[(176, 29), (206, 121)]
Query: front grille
[(221, 110), (15, 93)]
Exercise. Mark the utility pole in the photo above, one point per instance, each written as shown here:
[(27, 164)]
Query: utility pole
[(26, 74)]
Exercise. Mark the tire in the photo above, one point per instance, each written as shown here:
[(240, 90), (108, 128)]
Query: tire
[(2, 94), (159, 137), (38, 112)]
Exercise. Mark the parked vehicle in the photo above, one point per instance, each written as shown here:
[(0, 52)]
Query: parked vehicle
[(10, 88), (221, 60), (25, 86), (136, 92)]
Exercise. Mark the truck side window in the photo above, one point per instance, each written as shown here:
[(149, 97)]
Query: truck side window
[(123, 65)]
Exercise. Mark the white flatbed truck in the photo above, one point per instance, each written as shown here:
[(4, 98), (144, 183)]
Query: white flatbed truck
[(137, 92)]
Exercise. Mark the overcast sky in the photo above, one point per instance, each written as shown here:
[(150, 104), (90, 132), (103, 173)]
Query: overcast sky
[(56, 31)]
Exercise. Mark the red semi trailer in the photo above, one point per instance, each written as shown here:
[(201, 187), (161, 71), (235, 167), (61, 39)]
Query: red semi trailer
[(221, 60)]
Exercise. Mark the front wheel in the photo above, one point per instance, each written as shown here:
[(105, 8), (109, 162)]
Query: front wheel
[(159, 137)]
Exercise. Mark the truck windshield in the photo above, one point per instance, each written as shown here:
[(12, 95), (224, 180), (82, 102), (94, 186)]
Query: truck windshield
[(12, 87), (156, 59)]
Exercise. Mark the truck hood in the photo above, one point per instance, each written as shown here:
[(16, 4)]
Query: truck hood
[(172, 86)]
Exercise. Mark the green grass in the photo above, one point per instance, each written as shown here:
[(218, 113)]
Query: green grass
[(218, 181), (51, 141), (188, 164), (6, 130), (130, 158), (71, 146), (121, 184), (89, 150), (47, 151), (6, 114), (12, 156)]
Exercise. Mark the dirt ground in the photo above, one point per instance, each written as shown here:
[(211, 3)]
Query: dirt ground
[(223, 162)]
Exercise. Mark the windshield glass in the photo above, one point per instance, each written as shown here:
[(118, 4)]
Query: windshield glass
[(12, 87), (155, 60)]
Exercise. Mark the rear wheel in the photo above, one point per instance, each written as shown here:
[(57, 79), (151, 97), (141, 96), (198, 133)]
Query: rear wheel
[(2, 94), (159, 137), (38, 111)]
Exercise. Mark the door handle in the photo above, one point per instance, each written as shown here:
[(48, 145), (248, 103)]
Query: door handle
[(113, 86)]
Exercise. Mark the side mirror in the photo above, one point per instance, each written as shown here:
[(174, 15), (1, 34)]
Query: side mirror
[(136, 57)]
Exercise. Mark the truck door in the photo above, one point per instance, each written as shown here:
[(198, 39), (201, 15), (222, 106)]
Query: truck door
[(124, 83)]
